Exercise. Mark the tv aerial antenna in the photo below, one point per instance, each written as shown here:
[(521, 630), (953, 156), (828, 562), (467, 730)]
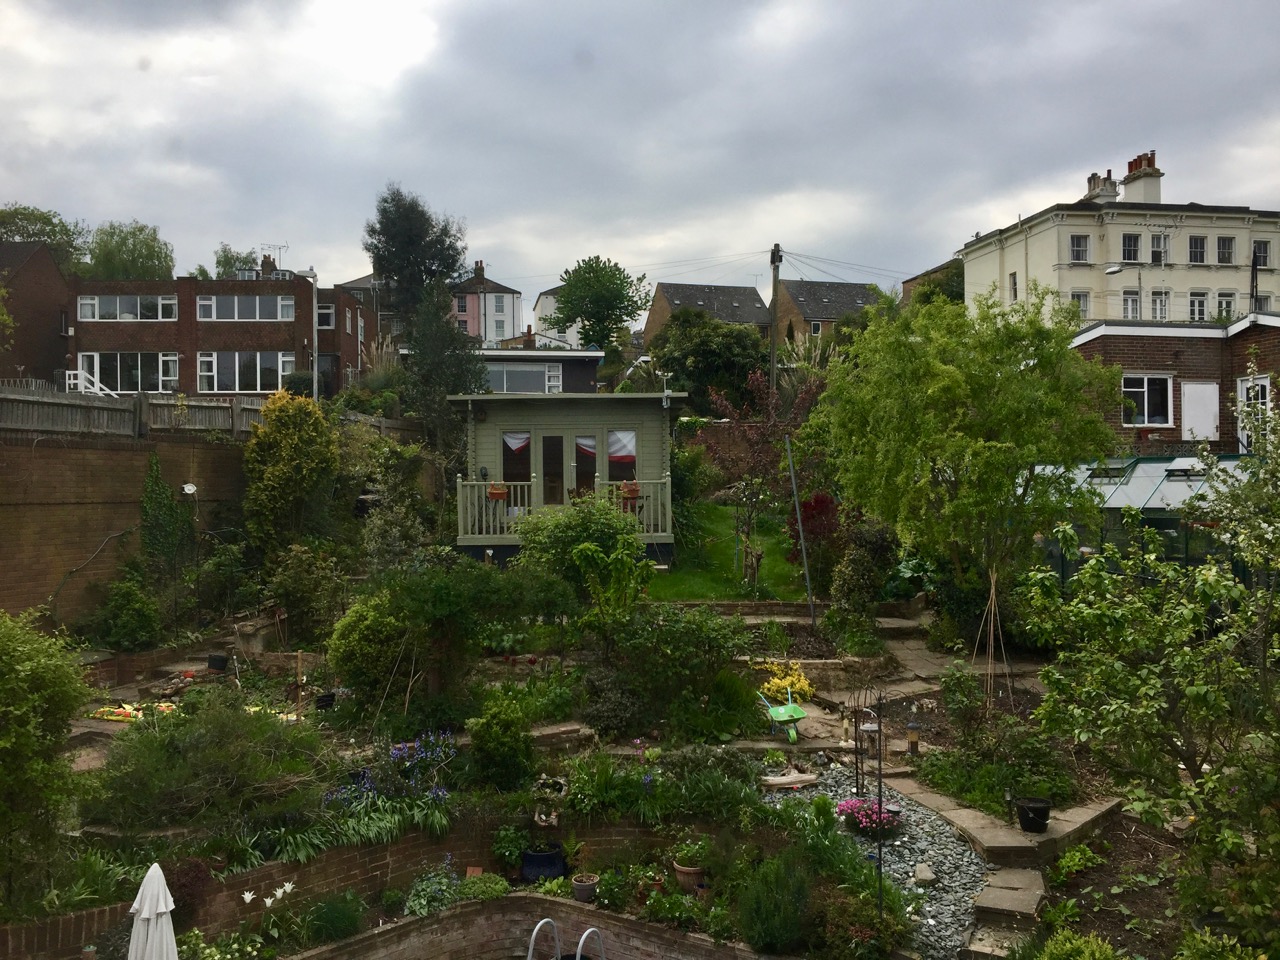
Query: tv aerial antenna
[(275, 249)]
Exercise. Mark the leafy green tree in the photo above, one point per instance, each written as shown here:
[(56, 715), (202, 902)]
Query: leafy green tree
[(413, 247), (68, 240), (290, 464), (550, 539), (601, 298), (129, 251), (1166, 674), (704, 354), (42, 689), (962, 431), (226, 262), (441, 361)]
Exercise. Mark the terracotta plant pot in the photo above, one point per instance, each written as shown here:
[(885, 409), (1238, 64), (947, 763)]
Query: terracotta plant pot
[(689, 877)]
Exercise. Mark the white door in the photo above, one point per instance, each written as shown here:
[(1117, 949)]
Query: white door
[(1199, 410)]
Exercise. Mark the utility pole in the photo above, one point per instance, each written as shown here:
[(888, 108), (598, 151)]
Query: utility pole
[(775, 261)]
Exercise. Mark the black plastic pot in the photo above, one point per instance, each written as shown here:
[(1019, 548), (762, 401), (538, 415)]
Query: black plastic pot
[(217, 661), (1033, 813), (542, 865), (325, 701)]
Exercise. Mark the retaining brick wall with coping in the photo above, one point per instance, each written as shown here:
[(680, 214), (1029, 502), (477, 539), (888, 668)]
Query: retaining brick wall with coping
[(367, 870)]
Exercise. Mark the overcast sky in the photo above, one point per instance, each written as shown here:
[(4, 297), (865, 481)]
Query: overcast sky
[(681, 139)]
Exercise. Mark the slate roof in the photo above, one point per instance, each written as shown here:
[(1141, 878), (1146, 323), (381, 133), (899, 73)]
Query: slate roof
[(730, 304), (14, 253), (822, 300)]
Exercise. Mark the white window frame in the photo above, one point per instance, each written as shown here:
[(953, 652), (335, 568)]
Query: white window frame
[(1013, 286), (1131, 247), (1160, 305), (1079, 247), (1262, 252), (1198, 306), (207, 370), (360, 326), (1226, 305), (815, 328), (1262, 303), (166, 308), (499, 303), (1251, 391), (1130, 305), (555, 377), (1159, 249), (166, 360), (1128, 415), (1197, 249), (1226, 251), (207, 308), (324, 316), (1081, 299), (348, 321), (460, 303)]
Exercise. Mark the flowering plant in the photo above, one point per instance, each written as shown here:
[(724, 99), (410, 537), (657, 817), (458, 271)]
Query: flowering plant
[(867, 817)]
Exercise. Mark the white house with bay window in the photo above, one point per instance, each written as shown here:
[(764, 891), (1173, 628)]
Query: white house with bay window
[(1129, 256)]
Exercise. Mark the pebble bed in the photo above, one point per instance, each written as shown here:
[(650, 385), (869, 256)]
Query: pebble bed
[(943, 911)]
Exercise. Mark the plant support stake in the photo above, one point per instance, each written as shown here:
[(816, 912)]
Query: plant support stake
[(804, 553)]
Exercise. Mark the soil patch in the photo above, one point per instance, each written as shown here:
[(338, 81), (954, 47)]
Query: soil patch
[(798, 641), (1129, 899)]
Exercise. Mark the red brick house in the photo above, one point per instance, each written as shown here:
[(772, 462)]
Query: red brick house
[(210, 337), (1182, 379), (37, 301)]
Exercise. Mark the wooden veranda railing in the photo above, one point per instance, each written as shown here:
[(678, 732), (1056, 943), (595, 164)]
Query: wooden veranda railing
[(488, 511)]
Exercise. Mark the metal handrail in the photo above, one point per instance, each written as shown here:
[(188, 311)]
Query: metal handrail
[(583, 942), (554, 931)]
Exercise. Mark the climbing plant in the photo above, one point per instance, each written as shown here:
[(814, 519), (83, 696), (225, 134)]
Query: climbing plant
[(168, 527)]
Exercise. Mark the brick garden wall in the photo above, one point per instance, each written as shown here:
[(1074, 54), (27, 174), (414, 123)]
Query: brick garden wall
[(367, 870), (62, 498)]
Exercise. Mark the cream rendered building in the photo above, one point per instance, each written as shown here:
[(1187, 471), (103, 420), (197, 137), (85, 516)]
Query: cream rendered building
[(1130, 257)]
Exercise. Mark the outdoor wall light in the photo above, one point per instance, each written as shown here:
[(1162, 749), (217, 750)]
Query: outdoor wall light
[(189, 488)]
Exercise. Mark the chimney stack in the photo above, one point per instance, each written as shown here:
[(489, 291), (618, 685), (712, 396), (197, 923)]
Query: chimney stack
[(1102, 189), (479, 269), (268, 265), (1142, 183)]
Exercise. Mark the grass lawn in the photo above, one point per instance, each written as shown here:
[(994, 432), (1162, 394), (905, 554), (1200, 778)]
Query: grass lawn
[(706, 569)]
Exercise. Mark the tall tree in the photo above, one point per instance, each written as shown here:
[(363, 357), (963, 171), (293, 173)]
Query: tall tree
[(129, 251), (601, 298), (412, 246), (704, 354), (962, 430), (68, 240), (442, 360), (226, 262)]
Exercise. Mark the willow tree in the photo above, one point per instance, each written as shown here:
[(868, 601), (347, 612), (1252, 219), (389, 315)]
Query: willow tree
[(961, 429)]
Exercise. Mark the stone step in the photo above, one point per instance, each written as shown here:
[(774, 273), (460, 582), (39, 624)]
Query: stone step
[(1014, 907), (990, 941)]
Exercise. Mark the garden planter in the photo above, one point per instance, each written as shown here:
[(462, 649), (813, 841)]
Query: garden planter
[(218, 661), (542, 864), (1033, 813), (584, 887), (689, 878)]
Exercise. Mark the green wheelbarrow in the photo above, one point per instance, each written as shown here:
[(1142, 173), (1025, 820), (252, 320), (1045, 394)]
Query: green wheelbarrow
[(784, 715)]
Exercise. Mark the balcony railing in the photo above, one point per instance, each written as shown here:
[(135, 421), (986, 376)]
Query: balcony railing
[(488, 511)]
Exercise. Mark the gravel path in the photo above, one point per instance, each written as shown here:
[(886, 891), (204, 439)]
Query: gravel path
[(943, 911)]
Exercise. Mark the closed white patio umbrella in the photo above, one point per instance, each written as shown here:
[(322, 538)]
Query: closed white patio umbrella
[(152, 909)]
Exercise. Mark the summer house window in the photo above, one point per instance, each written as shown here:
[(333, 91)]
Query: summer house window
[(622, 455), (517, 456)]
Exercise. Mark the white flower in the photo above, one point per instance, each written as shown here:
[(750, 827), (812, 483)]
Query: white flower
[(269, 901), (247, 896), (288, 886), (280, 891)]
